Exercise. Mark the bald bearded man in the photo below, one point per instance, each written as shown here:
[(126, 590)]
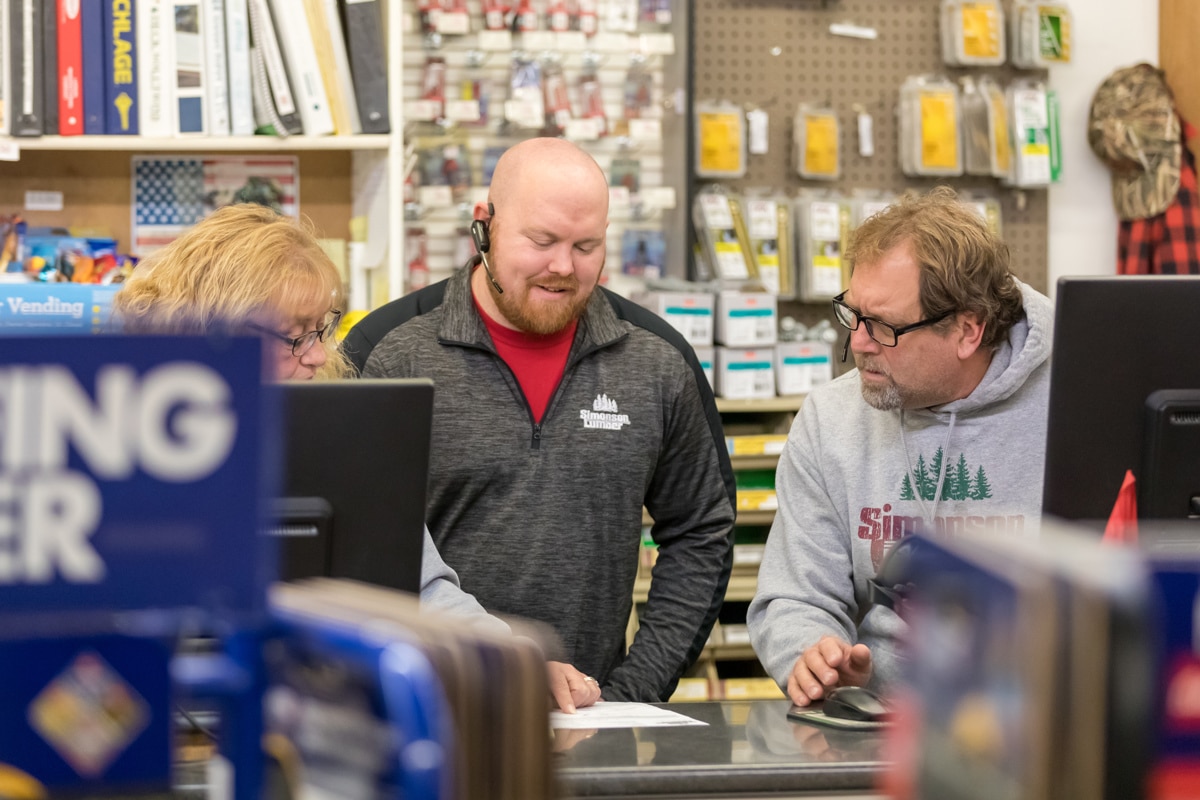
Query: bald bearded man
[(561, 409)]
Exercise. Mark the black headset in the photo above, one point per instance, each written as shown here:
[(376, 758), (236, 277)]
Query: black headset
[(483, 243)]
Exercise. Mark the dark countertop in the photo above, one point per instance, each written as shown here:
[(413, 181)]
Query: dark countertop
[(748, 746)]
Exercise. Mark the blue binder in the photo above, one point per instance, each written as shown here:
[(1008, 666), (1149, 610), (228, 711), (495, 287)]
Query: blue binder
[(387, 687), (91, 24), (120, 68)]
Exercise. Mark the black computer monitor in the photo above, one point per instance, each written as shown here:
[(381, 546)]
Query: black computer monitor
[(1117, 342), (356, 466)]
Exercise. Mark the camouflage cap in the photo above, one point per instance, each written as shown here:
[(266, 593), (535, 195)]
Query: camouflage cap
[(1133, 127)]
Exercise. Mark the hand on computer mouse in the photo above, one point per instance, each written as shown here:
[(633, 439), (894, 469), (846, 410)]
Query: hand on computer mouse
[(855, 703), (829, 663)]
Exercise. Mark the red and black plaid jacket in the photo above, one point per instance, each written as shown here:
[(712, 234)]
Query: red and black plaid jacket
[(1168, 243)]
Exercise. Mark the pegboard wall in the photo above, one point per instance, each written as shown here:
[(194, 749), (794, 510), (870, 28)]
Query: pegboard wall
[(776, 54), (442, 216)]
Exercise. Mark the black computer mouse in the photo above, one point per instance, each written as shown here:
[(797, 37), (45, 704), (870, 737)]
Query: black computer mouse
[(855, 703)]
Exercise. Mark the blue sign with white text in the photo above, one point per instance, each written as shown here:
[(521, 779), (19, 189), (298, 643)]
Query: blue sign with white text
[(44, 309), (130, 479)]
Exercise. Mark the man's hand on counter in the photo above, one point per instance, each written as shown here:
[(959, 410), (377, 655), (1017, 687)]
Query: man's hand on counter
[(570, 688)]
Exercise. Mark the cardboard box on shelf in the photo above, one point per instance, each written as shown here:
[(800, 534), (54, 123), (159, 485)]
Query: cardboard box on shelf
[(690, 313), (802, 366), (745, 373), (746, 319)]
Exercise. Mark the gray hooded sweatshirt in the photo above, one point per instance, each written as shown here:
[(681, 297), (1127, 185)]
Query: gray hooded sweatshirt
[(853, 480)]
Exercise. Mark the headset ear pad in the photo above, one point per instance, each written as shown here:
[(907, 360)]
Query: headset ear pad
[(479, 233)]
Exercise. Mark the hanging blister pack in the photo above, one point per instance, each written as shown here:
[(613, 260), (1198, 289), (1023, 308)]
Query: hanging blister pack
[(643, 252), (495, 15), (716, 214), (525, 107), (999, 130), (589, 17), (823, 229), (555, 98), (658, 11), (429, 13), (639, 88), (1041, 33), (769, 227), (930, 126), (817, 155), (455, 18), (626, 172), (433, 85), (472, 100), (973, 33), (560, 16), (457, 170), (1030, 134), (418, 263), (622, 16), (591, 97), (526, 18), (720, 140), (977, 159)]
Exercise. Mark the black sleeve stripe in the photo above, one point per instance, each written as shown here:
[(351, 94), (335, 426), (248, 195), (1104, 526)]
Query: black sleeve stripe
[(649, 321), (363, 337)]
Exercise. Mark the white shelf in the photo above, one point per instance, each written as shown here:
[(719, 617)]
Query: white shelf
[(764, 405), (201, 144)]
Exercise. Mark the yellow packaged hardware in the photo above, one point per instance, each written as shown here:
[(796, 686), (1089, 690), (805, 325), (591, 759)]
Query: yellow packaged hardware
[(817, 152), (973, 33), (720, 140)]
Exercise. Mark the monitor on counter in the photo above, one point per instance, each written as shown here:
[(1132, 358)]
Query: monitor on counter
[(356, 465), (1125, 395)]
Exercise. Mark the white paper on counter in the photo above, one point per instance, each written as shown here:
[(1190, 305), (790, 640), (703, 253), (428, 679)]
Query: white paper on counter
[(620, 715)]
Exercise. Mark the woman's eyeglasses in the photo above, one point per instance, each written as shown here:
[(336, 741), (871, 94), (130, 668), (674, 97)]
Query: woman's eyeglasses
[(304, 342)]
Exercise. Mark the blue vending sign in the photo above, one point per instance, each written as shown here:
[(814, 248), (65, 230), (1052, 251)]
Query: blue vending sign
[(130, 480), (52, 309)]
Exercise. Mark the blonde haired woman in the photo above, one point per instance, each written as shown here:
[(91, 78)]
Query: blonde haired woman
[(245, 264)]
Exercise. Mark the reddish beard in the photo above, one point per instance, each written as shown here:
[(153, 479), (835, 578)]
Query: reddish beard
[(543, 317)]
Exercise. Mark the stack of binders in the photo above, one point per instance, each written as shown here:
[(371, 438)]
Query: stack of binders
[(373, 693)]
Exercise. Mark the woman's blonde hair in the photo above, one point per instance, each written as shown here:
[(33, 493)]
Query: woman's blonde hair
[(239, 263)]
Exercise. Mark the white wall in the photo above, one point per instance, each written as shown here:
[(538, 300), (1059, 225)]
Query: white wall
[(1108, 34)]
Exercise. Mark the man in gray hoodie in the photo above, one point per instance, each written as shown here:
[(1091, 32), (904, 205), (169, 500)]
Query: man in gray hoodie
[(941, 427)]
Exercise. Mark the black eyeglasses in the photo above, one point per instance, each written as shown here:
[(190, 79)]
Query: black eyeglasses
[(887, 335), (304, 342)]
